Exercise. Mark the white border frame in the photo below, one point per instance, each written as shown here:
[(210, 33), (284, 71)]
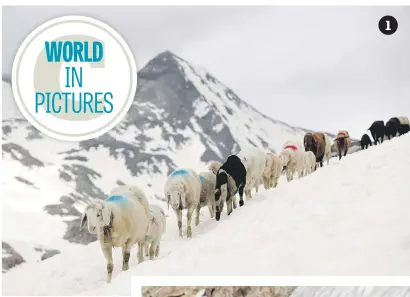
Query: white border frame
[(137, 282)]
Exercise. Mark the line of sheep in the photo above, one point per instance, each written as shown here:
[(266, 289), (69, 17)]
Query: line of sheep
[(126, 218), (395, 126)]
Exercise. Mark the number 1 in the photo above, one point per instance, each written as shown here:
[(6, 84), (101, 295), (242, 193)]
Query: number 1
[(388, 26)]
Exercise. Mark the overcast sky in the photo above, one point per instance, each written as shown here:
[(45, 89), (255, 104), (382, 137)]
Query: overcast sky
[(324, 68)]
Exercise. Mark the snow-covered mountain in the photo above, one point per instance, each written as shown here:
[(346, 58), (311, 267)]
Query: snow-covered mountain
[(337, 221), (181, 116)]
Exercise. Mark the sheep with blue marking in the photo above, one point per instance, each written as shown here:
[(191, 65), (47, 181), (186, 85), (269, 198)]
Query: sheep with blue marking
[(134, 191), (156, 228), (182, 190), (120, 220), (207, 197)]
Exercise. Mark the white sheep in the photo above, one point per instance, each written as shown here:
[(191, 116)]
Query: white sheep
[(404, 120), (271, 173), (182, 190), (118, 221), (214, 166), (328, 148), (292, 159), (135, 192), (309, 162), (254, 160), (207, 197), (156, 228)]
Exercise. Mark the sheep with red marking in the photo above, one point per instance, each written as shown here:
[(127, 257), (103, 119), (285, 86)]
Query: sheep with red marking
[(292, 159)]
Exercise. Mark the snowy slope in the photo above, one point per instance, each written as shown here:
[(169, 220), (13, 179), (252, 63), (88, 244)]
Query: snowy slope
[(182, 116), (341, 220), (351, 292)]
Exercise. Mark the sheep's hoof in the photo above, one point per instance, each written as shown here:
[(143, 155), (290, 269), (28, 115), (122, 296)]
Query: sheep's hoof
[(109, 278), (125, 267), (218, 215), (189, 232), (241, 203), (197, 222)]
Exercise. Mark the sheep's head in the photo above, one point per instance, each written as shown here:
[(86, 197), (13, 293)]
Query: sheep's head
[(175, 196), (97, 215), (285, 159), (150, 225), (214, 166)]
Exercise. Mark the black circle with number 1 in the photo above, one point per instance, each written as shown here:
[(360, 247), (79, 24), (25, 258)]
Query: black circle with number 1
[(388, 25)]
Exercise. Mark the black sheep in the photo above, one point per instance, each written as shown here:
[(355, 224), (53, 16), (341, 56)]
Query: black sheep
[(233, 168), (392, 127), (365, 141), (377, 130)]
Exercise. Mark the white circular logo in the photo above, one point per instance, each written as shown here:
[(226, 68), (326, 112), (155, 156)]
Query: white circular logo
[(74, 78)]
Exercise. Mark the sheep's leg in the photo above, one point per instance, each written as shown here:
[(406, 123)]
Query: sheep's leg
[(240, 190), (178, 212), (146, 246), (126, 251), (288, 177), (211, 210), (265, 183), (189, 220), (234, 202), (229, 205), (198, 212), (140, 252), (157, 250), (107, 250), (153, 249)]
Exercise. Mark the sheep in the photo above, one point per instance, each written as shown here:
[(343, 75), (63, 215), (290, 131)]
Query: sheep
[(214, 166), (343, 142), (254, 160), (392, 127), (316, 142), (156, 228), (272, 170), (365, 141), (118, 221), (207, 197), (377, 130), (182, 190), (328, 148), (230, 179), (292, 159), (404, 125), (309, 161)]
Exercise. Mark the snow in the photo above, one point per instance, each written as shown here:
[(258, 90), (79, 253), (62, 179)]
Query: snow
[(248, 126), (10, 109), (344, 219), (351, 292)]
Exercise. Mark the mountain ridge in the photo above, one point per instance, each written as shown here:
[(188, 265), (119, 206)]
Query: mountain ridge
[(182, 116)]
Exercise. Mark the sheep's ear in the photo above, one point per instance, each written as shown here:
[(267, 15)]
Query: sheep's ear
[(83, 220)]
